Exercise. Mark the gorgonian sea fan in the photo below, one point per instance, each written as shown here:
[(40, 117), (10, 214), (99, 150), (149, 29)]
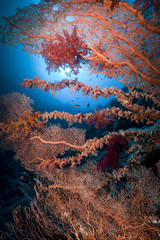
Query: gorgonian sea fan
[(66, 51)]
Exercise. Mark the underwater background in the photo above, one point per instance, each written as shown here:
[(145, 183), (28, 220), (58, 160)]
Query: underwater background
[(79, 135)]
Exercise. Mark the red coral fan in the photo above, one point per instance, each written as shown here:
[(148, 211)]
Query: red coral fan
[(99, 120), (110, 159), (65, 51)]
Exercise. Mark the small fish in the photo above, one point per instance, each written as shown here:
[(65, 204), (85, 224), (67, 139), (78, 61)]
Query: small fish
[(76, 105), (88, 104)]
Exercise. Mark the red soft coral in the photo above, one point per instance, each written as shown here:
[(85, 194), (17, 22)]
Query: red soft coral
[(99, 120), (110, 159), (66, 51)]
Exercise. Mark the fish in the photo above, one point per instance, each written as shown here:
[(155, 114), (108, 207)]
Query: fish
[(76, 105), (88, 104)]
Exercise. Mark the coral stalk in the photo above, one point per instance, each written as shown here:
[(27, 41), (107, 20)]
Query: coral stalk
[(57, 142)]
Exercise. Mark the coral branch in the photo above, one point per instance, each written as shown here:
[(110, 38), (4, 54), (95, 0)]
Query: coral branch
[(86, 89), (56, 143)]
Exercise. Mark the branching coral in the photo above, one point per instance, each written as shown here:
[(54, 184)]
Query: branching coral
[(99, 120), (65, 51), (136, 111), (17, 117), (133, 59), (22, 127), (110, 159), (124, 46), (78, 203)]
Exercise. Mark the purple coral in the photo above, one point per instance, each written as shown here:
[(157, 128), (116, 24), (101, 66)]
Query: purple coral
[(110, 159)]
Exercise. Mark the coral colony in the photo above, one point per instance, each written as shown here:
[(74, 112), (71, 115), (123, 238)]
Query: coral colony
[(98, 179)]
